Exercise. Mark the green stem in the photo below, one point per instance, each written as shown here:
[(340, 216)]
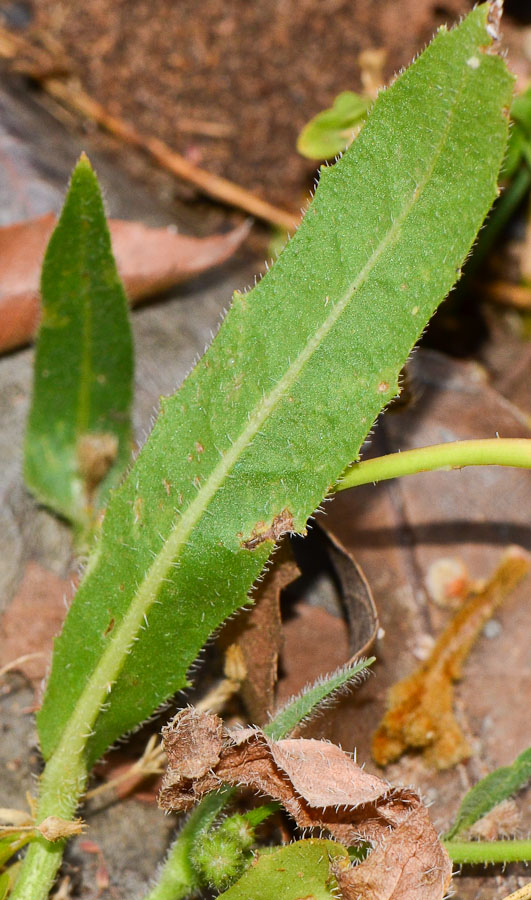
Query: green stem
[(65, 775), (62, 784), (454, 455), (483, 852), (177, 877)]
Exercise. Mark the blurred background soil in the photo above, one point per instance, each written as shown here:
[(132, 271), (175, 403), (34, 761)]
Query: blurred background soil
[(230, 84)]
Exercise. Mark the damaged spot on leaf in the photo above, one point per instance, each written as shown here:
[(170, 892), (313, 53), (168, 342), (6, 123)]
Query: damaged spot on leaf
[(282, 523), (96, 454)]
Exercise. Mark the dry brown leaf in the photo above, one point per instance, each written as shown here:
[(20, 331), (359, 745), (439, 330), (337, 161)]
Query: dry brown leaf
[(320, 786), (149, 260), (316, 641), (420, 707), (31, 621), (356, 595), (404, 866), (258, 634)]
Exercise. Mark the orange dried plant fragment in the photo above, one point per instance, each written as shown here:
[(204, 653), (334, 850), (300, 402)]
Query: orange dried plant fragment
[(420, 707)]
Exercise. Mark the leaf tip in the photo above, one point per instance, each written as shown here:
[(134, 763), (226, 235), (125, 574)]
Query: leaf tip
[(84, 161)]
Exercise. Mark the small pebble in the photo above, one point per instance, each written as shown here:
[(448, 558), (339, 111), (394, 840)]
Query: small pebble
[(492, 629)]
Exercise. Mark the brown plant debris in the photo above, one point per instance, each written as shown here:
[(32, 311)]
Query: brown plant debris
[(149, 260), (419, 708), (257, 634), (31, 621), (53, 828), (502, 822), (356, 595), (399, 868), (43, 66), (320, 786), (316, 641)]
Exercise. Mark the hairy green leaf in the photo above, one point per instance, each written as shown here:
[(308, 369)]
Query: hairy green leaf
[(4, 884), (329, 132), (297, 870), (491, 790), (78, 439), (315, 695), (286, 394)]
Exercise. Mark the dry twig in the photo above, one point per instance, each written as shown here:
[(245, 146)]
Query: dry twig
[(37, 64)]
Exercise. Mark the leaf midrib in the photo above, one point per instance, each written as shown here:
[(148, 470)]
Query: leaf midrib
[(111, 661)]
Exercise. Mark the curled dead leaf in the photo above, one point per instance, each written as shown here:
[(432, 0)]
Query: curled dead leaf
[(320, 786), (149, 260), (256, 634), (400, 867)]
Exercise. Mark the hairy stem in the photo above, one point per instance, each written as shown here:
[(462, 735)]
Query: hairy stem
[(62, 783), (177, 877), (484, 852), (454, 455)]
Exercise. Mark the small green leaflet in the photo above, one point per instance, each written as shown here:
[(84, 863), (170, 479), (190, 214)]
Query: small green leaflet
[(491, 790), (296, 871), (286, 394), (78, 439), (329, 132), (313, 697)]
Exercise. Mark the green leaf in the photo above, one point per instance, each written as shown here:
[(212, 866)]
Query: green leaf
[(78, 439), (519, 144), (297, 870), (5, 882), (284, 397), (491, 790), (314, 696), (329, 132), (11, 844), (521, 111)]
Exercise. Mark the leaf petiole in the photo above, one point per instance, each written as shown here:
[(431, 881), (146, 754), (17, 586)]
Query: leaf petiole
[(453, 455), (485, 852)]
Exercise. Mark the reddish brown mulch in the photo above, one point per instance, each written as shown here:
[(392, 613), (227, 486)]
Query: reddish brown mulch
[(231, 85)]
